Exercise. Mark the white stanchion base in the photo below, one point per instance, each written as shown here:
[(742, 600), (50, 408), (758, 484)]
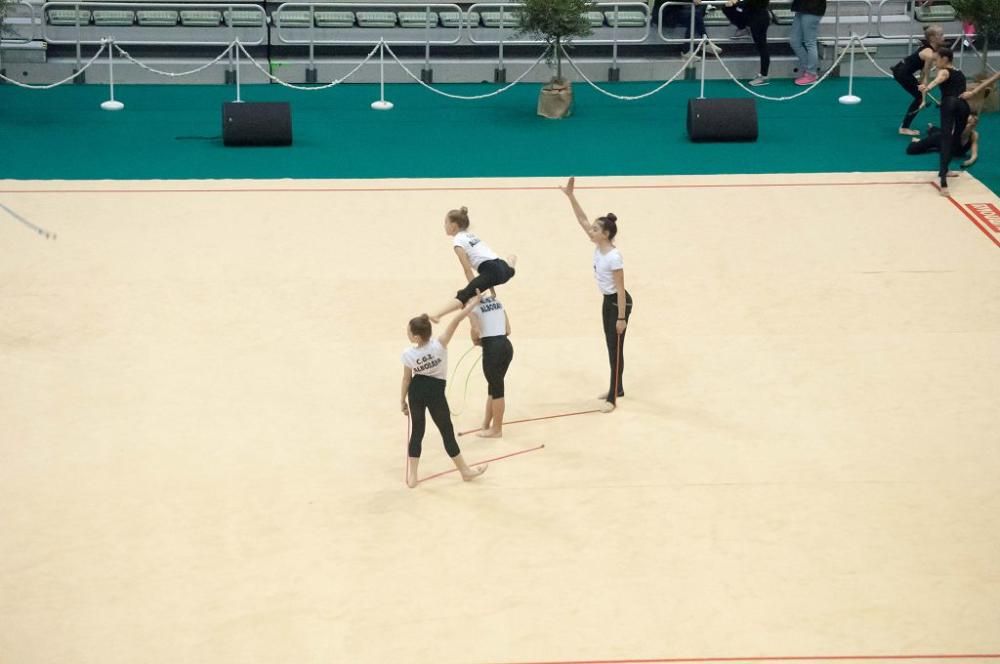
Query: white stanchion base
[(382, 105), (112, 105), (850, 99)]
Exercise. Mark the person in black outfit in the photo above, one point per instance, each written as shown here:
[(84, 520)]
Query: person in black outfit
[(955, 111), (905, 72), (967, 142), (755, 15)]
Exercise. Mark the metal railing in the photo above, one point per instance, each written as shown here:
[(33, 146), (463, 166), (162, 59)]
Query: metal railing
[(835, 4), (14, 26), (91, 34)]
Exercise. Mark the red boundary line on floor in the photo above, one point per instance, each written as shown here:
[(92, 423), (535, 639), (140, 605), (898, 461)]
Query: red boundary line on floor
[(805, 658), (478, 463), (970, 217), (535, 419), (321, 190)]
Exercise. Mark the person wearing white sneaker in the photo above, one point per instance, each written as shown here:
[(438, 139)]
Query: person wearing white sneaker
[(755, 15), (805, 25)]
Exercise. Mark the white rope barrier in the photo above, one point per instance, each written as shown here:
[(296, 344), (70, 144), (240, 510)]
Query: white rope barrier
[(236, 47), (49, 86), (690, 58), (810, 88), (463, 97), (309, 88), (173, 74)]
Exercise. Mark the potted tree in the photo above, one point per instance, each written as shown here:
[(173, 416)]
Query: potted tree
[(985, 15), (555, 22)]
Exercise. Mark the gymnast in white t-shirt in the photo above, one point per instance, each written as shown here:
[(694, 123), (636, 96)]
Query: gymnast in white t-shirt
[(490, 329), (473, 254), (425, 372), (609, 271)]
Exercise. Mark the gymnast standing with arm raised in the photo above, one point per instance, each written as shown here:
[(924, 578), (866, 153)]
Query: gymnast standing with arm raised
[(425, 372), (616, 308)]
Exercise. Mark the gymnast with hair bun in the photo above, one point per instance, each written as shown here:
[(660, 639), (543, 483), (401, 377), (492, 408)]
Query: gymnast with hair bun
[(425, 374), (610, 275), (473, 254)]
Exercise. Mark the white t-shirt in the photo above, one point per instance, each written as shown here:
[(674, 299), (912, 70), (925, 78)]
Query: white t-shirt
[(490, 316), (431, 359), (474, 248), (604, 266)]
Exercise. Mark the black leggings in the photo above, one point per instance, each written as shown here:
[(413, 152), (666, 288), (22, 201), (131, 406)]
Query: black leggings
[(758, 21), (929, 143), (909, 84), (932, 143), (616, 343), (954, 116), (428, 393), (491, 273), (497, 354)]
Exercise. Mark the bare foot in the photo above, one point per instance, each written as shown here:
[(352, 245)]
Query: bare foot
[(914, 140), (909, 132), (607, 407), (954, 174), (490, 433), (474, 472), (944, 191), (411, 474), (512, 260)]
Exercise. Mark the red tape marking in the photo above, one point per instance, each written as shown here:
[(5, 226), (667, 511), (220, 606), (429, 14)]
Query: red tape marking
[(479, 463), (806, 658), (970, 217), (534, 419)]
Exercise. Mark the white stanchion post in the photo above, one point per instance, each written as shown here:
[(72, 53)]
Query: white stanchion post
[(236, 46), (111, 104), (850, 97), (703, 45), (381, 104)]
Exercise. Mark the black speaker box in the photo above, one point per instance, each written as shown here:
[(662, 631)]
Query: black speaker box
[(722, 120), (256, 123)]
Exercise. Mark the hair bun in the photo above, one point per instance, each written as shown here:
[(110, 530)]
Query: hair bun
[(610, 216), (424, 317), (464, 209)]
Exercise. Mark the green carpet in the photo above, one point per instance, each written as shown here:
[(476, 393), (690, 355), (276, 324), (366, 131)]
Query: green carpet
[(171, 132)]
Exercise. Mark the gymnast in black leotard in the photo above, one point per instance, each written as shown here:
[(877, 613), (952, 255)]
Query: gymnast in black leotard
[(905, 72), (954, 110)]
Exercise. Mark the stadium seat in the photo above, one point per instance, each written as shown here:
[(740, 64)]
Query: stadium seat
[(244, 18), (114, 17), (68, 16), (334, 19), (943, 13), (458, 19), (376, 19), (163, 18), (201, 18), (492, 19), (418, 19)]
